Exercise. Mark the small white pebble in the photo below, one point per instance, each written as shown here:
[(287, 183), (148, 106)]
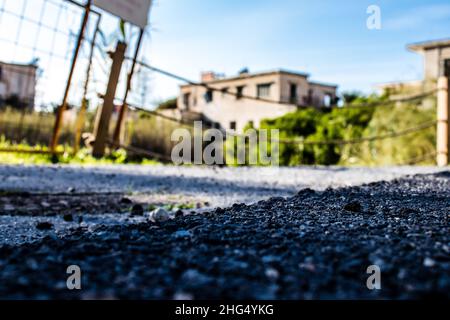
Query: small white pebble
[(159, 215), (428, 262), (272, 273), (183, 296)]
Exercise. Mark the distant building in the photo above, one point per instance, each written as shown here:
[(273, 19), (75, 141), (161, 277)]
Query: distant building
[(436, 57), (272, 94), (18, 83), (436, 63)]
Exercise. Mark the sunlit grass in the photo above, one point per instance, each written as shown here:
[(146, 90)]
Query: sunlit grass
[(83, 157)]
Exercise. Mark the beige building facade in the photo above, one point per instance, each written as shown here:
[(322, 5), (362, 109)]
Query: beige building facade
[(233, 103), (436, 56)]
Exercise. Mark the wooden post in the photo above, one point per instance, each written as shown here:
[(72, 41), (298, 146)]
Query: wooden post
[(79, 125), (123, 109), (443, 112), (63, 106), (102, 126)]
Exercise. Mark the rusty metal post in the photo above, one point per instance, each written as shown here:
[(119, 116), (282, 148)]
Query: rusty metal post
[(123, 109), (62, 108), (443, 112), (82, 113), (102, 126)]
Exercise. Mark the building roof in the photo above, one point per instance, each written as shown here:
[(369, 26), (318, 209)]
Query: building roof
[(427, 45), (254, 75), (395, 84), (262, 74), (25, 65), (322, 84)]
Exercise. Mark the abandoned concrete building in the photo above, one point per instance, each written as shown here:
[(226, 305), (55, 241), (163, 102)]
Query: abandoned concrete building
[(436, 63), (233, 103)]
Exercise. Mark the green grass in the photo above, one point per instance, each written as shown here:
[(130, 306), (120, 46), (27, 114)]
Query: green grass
[(33, 128), (173, 207), (83, 157)]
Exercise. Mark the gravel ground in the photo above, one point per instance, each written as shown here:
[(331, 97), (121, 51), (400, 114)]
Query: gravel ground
[(56, 191), (312, 244)]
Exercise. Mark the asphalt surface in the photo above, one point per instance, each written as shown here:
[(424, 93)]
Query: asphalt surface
[(217, 186), (312, 244)]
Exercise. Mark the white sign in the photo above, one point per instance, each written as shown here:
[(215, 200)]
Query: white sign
[(133, 11)]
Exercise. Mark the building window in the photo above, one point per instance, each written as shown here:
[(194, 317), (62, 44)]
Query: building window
[(233, 125), (263, 90), (447, 68), (1, 73), (309, 97), (186, 98), (327, 100), (293, 93), (209, 96), (224, 91), (239, 92)]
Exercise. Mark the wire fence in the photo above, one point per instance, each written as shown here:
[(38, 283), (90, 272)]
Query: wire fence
[(390, 135), (141, 148), (301, 141), (38, 39), (39, 53), (386, 102), (42, 33)]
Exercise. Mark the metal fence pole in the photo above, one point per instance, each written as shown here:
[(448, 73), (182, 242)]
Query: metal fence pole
[(62, 108), (79, 125)]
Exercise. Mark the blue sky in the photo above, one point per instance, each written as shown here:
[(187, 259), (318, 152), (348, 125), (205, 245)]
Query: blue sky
[(327, 38)]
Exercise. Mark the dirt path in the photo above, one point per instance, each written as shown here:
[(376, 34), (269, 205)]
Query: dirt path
[(218, 186)]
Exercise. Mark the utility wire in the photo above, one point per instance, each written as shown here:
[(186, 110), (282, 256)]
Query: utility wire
[(419, 127), (395, 134), (420, 96), (416, 160), (140, 151), (208, 87), (389, 102), (163, 116)]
